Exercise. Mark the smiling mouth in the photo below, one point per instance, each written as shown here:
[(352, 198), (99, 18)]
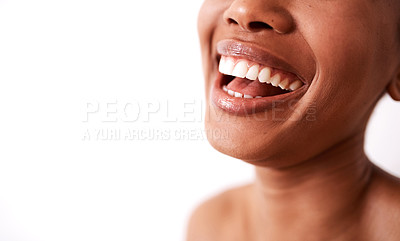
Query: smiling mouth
[(251, 80), (246, 79)]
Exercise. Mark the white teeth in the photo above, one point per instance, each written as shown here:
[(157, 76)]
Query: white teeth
[(226, 65), (252, 74), (295, 85), (258, 96), (239, 95), (222, 64), (236, 94), (275, 80), (240, 69), (264, 75), (284, 84)]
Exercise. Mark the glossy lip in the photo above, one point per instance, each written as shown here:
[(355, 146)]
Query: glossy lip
[(244, 106), (254, 53)]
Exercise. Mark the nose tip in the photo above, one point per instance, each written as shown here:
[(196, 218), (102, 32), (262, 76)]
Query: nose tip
[(259, 15)]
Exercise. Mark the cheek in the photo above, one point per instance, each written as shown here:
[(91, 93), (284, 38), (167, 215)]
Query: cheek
[(210, 13), (209, 17), (203, 24), (351, 66), (353, 44)]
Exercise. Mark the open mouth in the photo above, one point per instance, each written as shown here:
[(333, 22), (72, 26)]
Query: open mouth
[(246, 79), (252, 80)]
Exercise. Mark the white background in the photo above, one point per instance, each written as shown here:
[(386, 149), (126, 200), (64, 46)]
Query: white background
[(59, 59)]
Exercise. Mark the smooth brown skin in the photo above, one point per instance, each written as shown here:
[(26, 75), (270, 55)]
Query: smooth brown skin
[(313, 179)]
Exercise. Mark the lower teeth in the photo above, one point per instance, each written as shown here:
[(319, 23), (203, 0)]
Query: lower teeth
[(237, 94)]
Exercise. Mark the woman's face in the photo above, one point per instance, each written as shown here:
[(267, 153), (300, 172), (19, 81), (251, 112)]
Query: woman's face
[(332, 59)]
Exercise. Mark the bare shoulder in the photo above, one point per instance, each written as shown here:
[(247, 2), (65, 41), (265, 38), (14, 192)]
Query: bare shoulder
[(383, 206), (213, 219)]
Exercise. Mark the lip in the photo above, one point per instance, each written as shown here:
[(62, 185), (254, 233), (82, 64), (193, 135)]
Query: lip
[(254, 53), (244, 106)]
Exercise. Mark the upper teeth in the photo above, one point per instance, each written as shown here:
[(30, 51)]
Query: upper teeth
[(252, 71)]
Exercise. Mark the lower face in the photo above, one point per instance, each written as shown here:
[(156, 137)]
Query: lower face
[(282, 98)]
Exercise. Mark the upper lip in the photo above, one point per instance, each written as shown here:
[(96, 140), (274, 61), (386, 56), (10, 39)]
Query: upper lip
[(255, 53)]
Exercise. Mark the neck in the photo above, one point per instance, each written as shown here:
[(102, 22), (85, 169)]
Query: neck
[(318, 198)]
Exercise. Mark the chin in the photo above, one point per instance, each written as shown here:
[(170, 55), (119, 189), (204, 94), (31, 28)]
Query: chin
[(240, 141)]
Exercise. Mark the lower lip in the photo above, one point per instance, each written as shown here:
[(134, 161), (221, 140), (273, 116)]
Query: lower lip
[(244, 106)]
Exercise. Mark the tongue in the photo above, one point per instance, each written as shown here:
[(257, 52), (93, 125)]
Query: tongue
[(254, 87)]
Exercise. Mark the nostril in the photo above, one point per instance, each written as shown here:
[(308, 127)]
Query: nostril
[(259, 26), (232, 21)]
